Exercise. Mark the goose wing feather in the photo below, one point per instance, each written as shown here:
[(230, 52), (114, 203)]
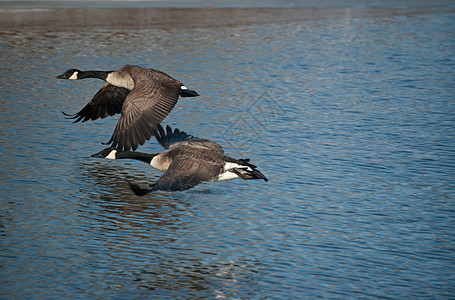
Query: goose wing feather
[(148, 103), (108, 101), (185, 173), (171, 139)]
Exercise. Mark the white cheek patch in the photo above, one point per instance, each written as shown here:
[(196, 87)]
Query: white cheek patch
[(183, 87), (112, 154), (74, 76)]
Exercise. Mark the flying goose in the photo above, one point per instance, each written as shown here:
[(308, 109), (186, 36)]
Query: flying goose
[(143, 96), (187, 162)]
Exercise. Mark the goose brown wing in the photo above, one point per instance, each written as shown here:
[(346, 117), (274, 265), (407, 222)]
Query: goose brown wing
[(145, 107), (185, 173), (171, 139), (108, 101)]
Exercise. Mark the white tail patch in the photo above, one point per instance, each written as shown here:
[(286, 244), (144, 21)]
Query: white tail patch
[(183, 87), (228, 166), (74, 75), (226, 176)]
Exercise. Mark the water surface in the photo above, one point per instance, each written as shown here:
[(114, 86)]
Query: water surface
[(348, 112)]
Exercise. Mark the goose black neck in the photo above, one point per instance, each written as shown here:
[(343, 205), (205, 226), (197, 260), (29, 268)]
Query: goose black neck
[(93, 74), (145, 157)]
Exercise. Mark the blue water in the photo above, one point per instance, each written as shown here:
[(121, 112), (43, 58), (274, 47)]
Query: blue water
[(351, 118)]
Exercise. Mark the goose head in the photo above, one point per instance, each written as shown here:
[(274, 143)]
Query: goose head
[(70, 74), (109, 153)]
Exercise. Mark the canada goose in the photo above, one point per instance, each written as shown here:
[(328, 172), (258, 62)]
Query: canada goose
[(143, 96), (188, 161)]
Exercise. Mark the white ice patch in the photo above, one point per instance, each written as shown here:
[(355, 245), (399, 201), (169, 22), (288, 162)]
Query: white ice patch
[(111, 155), (74, 76)]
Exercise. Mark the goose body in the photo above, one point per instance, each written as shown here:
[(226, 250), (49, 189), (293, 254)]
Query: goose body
[(143, 96), (187, 162)]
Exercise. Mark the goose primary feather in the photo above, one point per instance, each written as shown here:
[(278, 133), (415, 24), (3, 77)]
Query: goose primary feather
[(143, 97)]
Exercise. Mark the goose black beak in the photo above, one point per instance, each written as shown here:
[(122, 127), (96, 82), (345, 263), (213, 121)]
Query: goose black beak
[(97, 155)]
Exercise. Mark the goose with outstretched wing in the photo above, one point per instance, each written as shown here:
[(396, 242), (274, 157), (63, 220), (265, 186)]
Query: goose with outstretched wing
[(187, 162), (143, 97)]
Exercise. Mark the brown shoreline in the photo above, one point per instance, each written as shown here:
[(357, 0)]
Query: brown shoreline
[(68, 19)]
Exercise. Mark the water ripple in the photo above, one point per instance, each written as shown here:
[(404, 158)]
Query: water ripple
[(351, 118)]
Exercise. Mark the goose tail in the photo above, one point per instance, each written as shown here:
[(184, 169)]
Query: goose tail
[(247, 173), (188, 93), (244, 169)]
